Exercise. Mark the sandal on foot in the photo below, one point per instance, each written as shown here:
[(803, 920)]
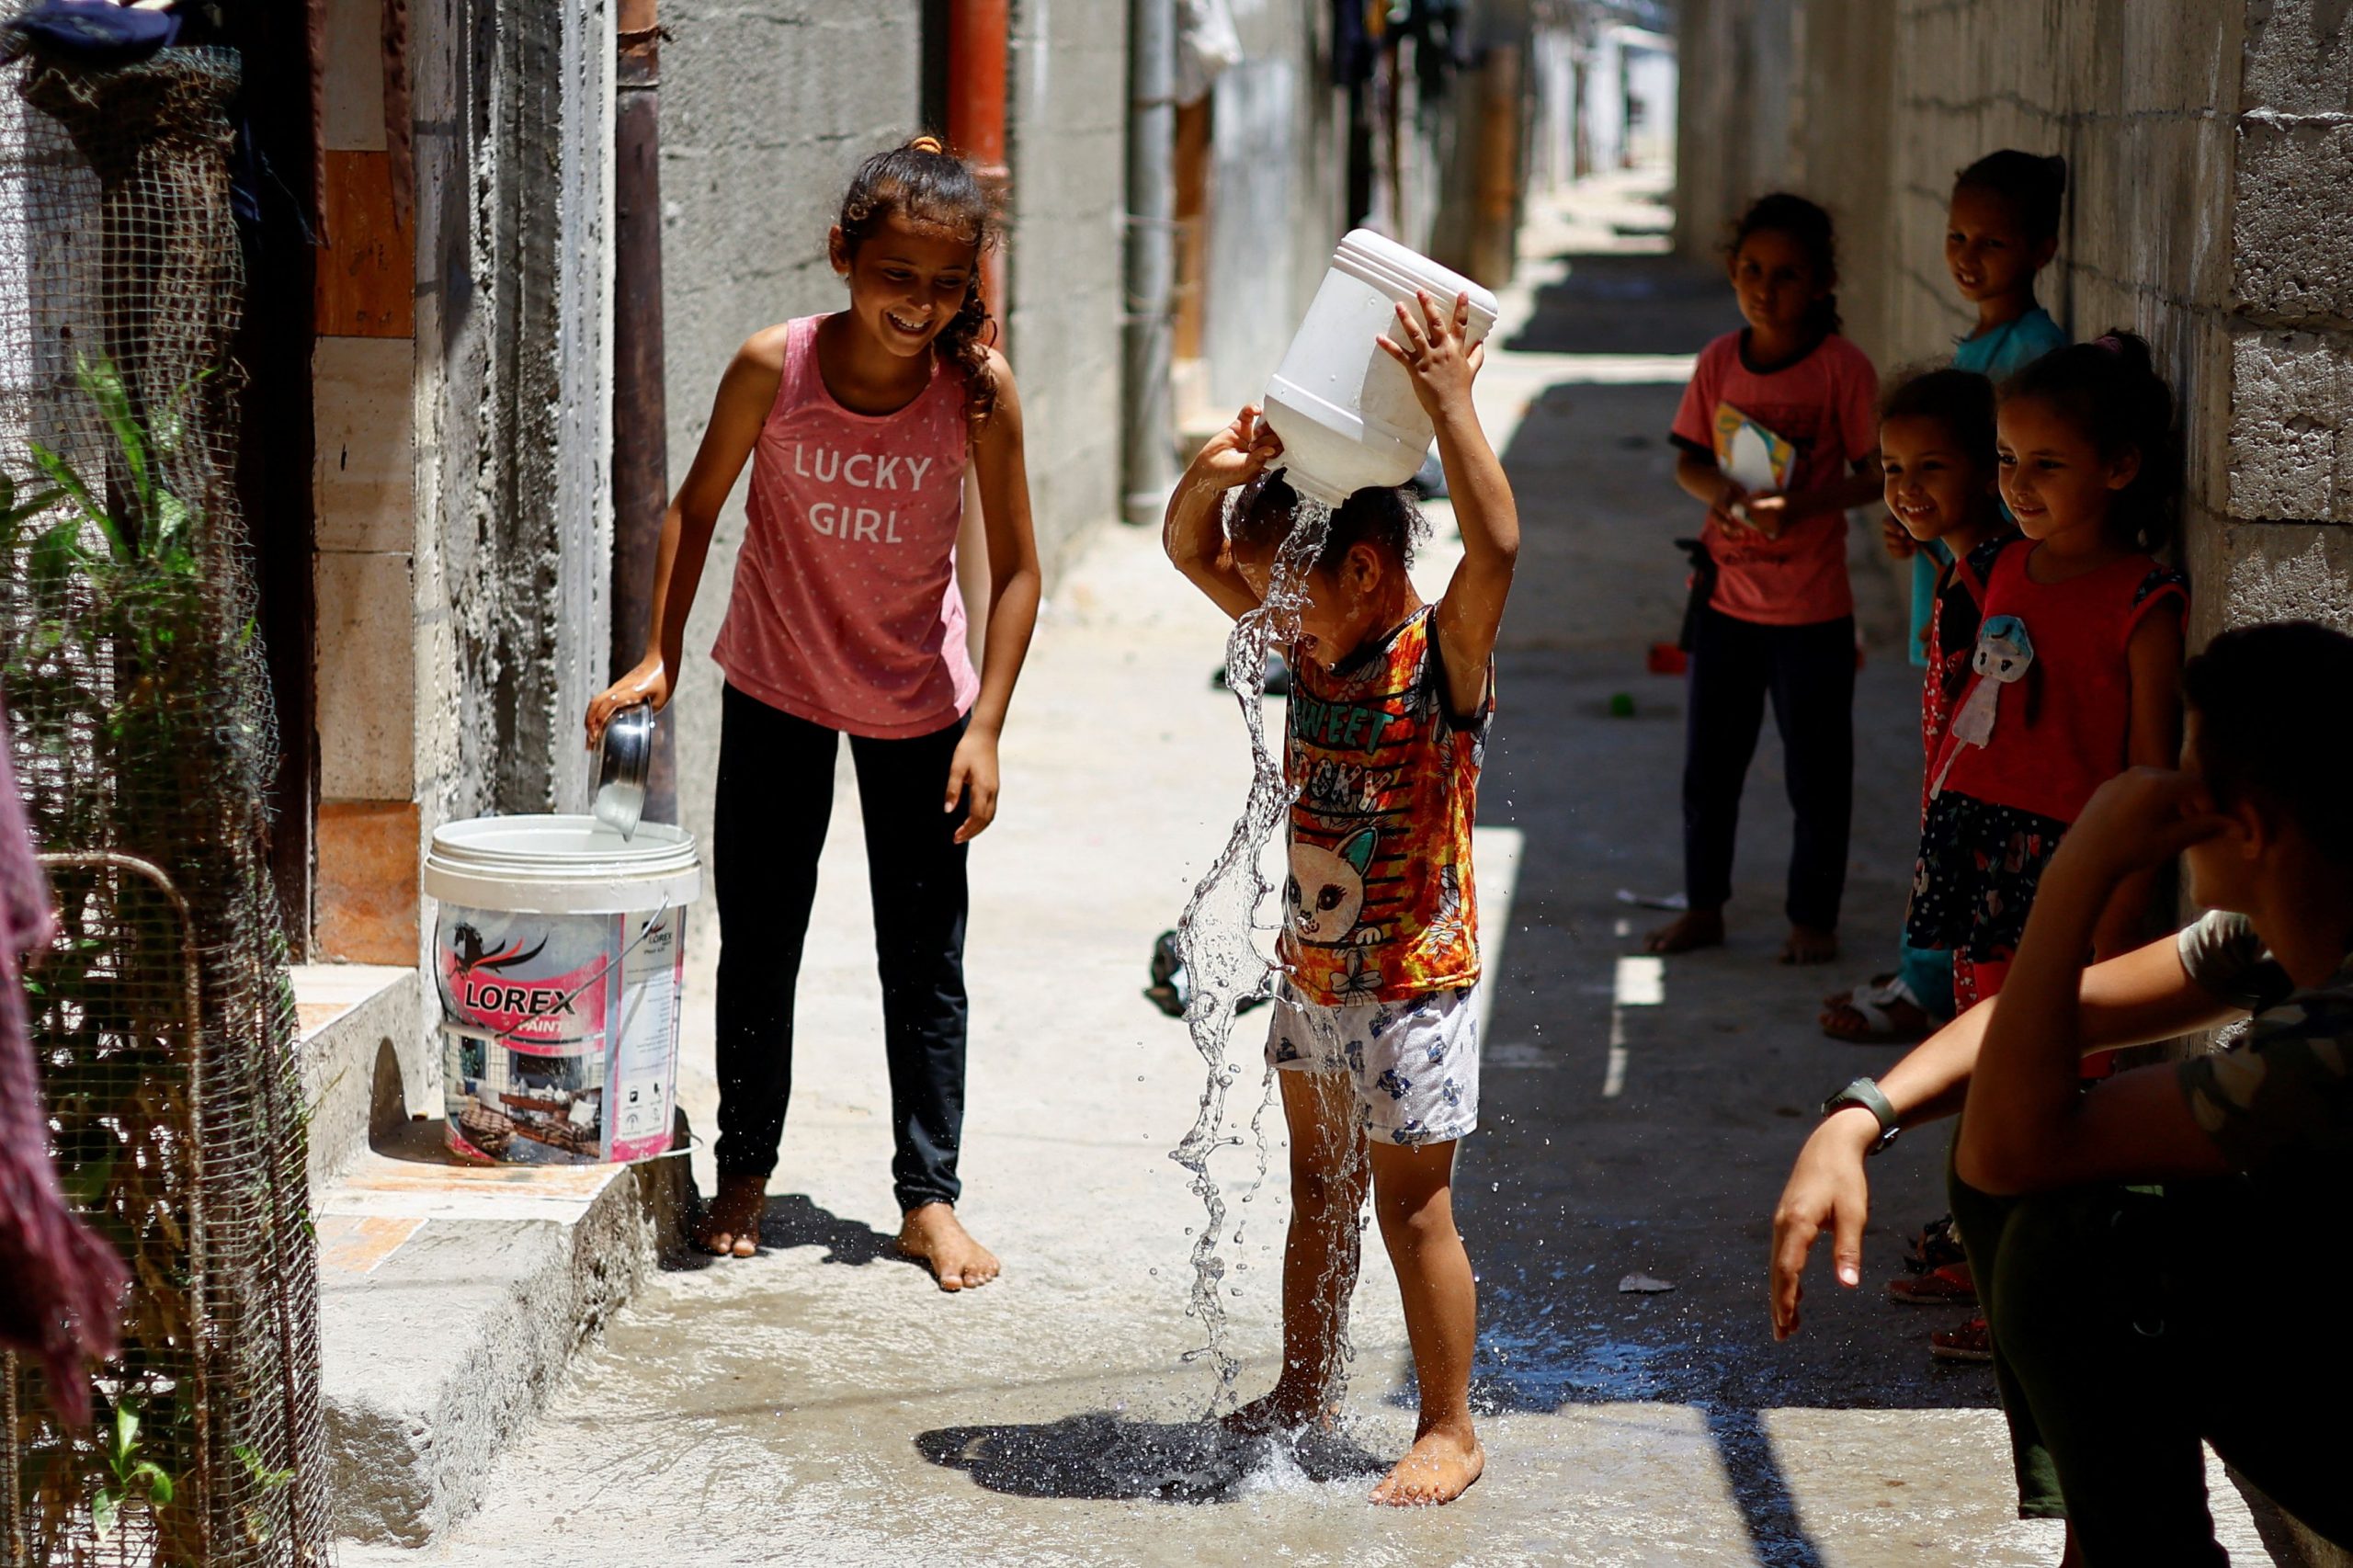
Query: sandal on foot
[(1971, 1342), (1875, 1005), (1949, 1286)]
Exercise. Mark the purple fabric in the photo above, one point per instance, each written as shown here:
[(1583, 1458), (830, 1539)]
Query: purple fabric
[(60, 1287)]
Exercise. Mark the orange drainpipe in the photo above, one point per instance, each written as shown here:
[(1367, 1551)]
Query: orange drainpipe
[(977, 31)]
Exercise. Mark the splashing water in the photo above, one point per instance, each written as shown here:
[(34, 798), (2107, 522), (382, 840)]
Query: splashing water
[(1216, 937)]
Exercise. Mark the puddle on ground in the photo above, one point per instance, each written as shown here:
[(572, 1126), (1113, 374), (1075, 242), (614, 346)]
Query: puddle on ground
[(1105, 1456)]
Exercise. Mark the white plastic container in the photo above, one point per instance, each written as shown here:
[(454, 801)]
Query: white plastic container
[(1344, 408), (559, 953)]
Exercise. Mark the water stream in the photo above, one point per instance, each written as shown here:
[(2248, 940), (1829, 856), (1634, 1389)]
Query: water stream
[(1216, 938)]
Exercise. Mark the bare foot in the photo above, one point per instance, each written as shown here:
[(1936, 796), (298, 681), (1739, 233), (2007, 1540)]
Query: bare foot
[(731, 1221), (1280, 1411), (1438, 1468), (1806, 944), (1695, 929), (935, 1236)]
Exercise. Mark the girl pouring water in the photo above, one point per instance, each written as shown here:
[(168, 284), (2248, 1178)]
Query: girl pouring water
[(844, 620)]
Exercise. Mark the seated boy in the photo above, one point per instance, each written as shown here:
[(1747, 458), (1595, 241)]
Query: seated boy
[(1375, 1023), (2130, 1323)]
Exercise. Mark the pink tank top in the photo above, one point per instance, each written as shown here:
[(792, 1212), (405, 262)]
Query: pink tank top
[(845, 611)]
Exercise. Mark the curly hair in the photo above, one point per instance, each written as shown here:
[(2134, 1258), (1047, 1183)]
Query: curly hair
[(1264, 511), (922, 182)]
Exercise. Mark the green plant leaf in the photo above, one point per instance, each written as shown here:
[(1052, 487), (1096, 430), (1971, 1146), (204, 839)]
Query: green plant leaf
[(159, 1485), (104, 384), (105, 1508)]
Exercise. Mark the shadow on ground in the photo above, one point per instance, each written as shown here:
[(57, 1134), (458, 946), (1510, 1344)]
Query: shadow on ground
[(1099, 1455), (1629, 304), (795, 1220)]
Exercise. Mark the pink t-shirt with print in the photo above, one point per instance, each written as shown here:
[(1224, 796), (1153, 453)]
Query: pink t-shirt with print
[(1823, 406), (845, 611)]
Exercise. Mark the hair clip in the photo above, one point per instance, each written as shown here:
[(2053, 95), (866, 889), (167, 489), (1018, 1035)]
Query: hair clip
[(2109, 341), (926, 144)]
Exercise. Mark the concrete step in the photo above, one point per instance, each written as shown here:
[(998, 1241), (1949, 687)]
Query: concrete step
[(451, 1298), (363, 1054)]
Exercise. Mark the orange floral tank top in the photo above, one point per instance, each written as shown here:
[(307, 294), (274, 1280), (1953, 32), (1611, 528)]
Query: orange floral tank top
[(1379, 906)]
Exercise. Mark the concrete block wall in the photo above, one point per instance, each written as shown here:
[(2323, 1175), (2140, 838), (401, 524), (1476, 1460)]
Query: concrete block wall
[(1278, 185), (2280, 549), (510, 403), (2209, 151), (767, 109), (1068, 77)]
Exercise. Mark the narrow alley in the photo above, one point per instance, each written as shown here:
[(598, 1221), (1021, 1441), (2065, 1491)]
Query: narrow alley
[(824, 1402)]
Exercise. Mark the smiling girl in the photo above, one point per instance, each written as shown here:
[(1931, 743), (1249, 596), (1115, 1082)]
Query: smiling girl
[(2078, 654), (846, 619), (1779, 613), (1937, 447)]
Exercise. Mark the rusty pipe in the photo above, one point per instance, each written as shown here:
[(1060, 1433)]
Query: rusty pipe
[(977, 32), (640, 475)]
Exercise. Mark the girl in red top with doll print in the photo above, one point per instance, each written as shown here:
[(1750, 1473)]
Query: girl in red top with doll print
[(860, 427), (1775, 418), (2077, 670)]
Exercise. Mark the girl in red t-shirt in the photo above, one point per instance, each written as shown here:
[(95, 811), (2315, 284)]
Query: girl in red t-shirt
[(1778, 437), (2078, 660)]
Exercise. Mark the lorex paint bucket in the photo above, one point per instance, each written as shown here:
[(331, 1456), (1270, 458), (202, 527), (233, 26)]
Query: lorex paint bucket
[(559, 954), (1344, 408)]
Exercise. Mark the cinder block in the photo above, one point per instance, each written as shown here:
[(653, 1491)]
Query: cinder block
[(367, 897), (2292, 428), (2299, 58), (367, 692), (362, 412), (2293, 233), (2249, 573)]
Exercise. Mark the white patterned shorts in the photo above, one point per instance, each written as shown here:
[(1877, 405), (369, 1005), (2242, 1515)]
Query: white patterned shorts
[(1415, 1063)]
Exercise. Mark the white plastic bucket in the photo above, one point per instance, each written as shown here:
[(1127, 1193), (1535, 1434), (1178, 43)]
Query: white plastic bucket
[(1344, 408), (559, 953)]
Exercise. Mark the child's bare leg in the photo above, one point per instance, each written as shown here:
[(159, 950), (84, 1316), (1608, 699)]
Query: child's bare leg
[(1412, 1195), (1328, 1181)]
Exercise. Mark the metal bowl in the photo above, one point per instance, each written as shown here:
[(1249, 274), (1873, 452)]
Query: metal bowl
[(623, 762)]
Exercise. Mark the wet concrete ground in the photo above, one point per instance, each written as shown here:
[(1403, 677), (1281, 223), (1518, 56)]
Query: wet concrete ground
[(823, 1403)]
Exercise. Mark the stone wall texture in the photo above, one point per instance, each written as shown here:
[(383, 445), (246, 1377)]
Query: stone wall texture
[(767, 109), (2210, 145), (513, 390)]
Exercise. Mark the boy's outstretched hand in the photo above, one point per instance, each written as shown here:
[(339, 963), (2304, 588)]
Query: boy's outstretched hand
[(1437, 353)]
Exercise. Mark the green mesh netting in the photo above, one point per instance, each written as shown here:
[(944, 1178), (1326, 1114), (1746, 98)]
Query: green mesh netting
[(161, 1018)]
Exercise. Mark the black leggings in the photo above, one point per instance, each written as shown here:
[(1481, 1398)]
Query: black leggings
[(1810, 673), (775, 797)]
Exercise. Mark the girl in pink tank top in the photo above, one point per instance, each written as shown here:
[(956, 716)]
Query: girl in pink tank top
[(846, 619), (2077, 667)]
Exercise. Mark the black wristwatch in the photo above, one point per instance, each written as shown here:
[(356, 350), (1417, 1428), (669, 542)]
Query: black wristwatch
[(1863, 1091)]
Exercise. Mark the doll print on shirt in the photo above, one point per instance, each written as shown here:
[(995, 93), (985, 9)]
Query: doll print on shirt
[(2005, 653)]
